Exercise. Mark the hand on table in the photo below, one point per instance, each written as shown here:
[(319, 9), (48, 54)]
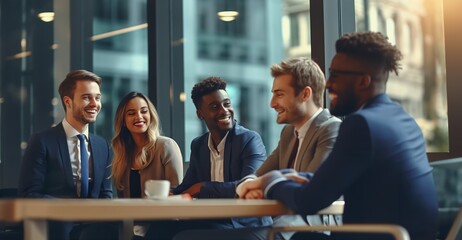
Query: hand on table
[(250, 189), (194, 190), (253, 188), (254, 194)]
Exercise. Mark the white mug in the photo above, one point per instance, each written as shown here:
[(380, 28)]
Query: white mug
[(157, 189)]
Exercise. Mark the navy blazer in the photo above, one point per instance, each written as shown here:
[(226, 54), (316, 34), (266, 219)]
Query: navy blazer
[(244, 153), (379, 163), (46, 167)]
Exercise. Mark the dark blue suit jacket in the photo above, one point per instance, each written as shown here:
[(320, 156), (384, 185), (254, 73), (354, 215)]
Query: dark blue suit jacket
[(46, 168), (244, 153), (379, 164)]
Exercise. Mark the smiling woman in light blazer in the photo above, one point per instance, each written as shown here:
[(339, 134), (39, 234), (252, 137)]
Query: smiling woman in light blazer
[(140, 152)]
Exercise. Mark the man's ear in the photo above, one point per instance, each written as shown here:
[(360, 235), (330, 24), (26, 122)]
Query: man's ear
[(306, 93), (365, 82), (67, 101), (199, 114)]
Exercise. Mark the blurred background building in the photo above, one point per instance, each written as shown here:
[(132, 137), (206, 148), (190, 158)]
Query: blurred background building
[(162, 48)]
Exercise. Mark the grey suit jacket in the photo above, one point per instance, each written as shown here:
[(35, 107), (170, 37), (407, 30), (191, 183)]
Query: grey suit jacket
[(316, 147)]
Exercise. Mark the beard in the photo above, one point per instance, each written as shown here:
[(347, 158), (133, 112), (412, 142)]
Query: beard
[(83, 119), (81, 116), (344, 105)]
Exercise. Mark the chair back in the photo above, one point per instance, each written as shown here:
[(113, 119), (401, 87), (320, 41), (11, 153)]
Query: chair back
[(398, 232), (447, 174), (455, 232)]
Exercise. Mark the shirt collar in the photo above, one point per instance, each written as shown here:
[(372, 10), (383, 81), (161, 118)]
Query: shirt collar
[(220, 146), (71, 132), (304, 128)]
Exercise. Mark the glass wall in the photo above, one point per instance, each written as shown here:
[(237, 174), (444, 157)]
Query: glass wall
[(110, 37), (416, 27), (27, 102), (120, 54), (241, 50), (43, 40)]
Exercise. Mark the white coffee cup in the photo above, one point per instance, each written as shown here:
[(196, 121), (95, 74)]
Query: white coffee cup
[(157, 189)]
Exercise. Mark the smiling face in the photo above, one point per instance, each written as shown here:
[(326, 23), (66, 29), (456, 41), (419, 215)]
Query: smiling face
[(288, 105), (137, 117), (85, 105), (343, 85), (217, 112)]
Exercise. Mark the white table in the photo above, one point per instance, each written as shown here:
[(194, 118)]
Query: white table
[(36, 212)]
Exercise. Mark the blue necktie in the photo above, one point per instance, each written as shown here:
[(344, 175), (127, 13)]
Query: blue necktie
[(83, 167)]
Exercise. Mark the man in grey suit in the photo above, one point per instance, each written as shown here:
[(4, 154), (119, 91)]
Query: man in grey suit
[(298, 91)]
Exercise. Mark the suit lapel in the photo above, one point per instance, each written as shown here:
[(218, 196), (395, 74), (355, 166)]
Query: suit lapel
[(322, 117), (289, 138), (205, 162), (96, 165), (227, 157), (64, 154)]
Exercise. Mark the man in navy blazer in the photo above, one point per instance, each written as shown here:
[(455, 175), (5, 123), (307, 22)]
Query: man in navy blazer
[(219, 159), (47, 171), (379, 160), (51, 166), (243, 153)]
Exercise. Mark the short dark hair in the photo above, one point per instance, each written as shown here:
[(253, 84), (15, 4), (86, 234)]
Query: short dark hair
[(205, 87), (67, 86), (370, 47)]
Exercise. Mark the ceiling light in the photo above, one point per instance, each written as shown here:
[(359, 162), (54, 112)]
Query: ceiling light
[(227, 16), (46, 16)]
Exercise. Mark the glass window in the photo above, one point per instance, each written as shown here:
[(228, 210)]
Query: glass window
[(120, 54), (27, 102), (416, 27), (37, 53), (241, 51), (294, 30)]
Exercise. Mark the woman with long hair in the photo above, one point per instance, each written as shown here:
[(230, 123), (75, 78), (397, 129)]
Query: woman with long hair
[(140, 152)]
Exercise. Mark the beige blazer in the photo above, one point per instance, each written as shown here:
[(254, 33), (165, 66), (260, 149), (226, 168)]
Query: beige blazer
[(316, 146), (167, 164)]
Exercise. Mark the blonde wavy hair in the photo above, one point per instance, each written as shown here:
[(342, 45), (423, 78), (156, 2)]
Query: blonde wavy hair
[(123, 144)]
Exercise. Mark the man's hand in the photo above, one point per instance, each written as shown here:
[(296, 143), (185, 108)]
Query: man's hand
[(194, 190), (248, 186), (254, 194), (294, 176)]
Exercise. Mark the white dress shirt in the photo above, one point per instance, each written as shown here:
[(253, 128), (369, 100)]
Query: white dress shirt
[(74, 151), (216, 159)]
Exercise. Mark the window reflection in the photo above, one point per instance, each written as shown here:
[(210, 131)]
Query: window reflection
[(416, 27)]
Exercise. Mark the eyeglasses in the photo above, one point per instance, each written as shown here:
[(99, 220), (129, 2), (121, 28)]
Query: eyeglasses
[(333, 73)]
